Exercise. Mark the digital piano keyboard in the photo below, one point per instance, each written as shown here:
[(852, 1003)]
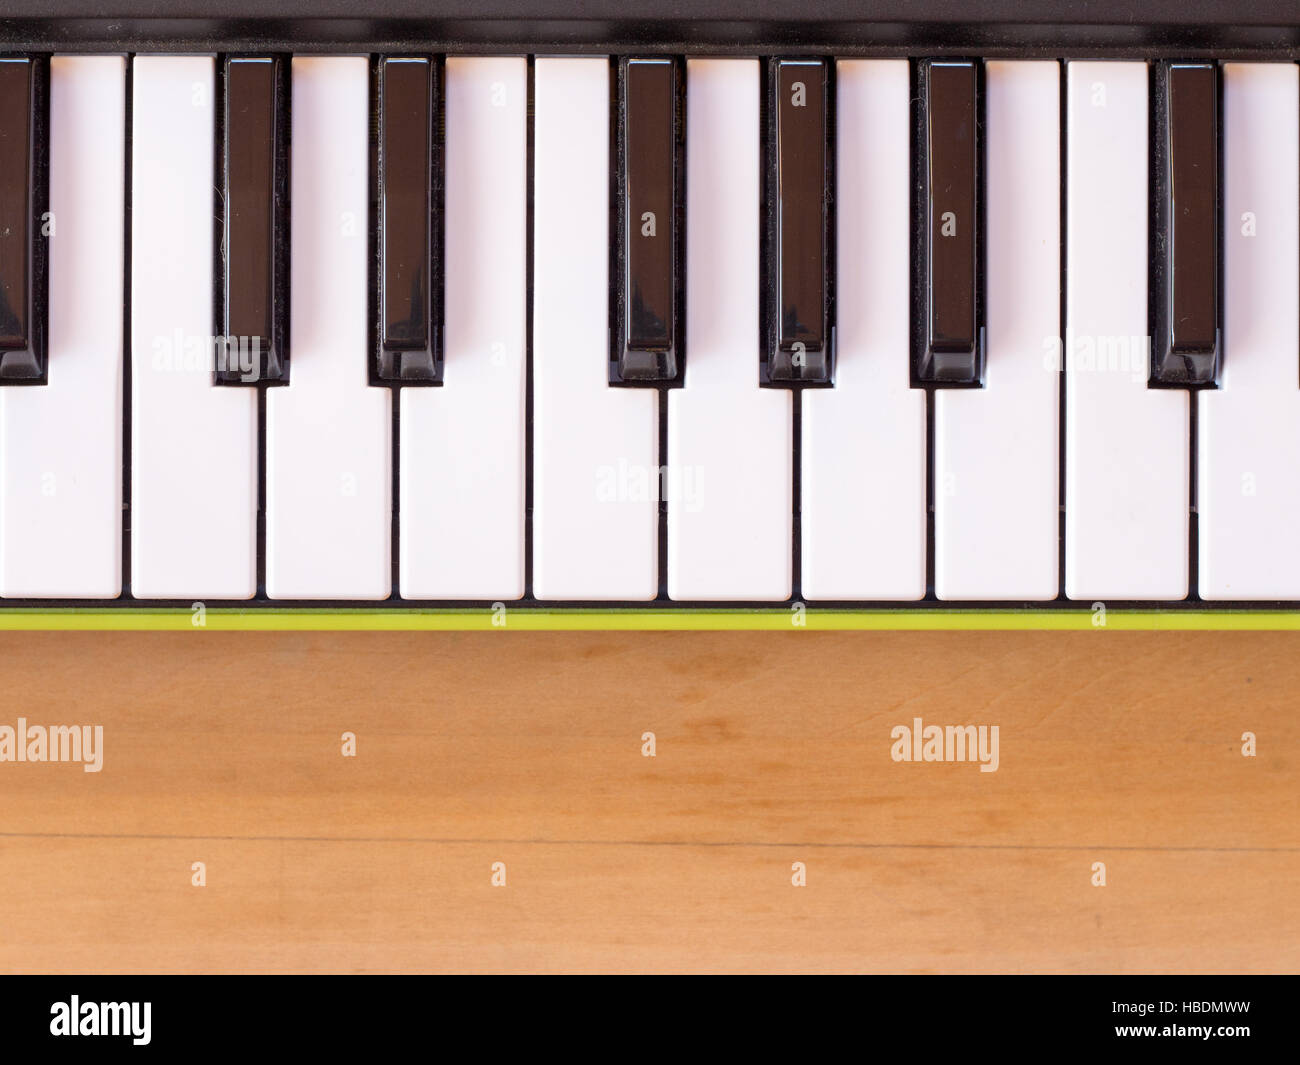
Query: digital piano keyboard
[(451, 313)]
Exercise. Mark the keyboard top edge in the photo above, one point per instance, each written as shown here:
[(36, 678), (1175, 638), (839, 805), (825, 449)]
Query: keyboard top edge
[(1061, 13)]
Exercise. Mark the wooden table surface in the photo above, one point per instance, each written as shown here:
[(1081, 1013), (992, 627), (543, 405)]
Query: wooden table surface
[(770, 750)]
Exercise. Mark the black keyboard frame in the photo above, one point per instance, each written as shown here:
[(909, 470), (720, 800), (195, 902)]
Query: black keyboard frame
[(1119, 29), (987, 28)]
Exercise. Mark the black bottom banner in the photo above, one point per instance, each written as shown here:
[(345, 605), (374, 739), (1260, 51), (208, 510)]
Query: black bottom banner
[(1228, 1017)]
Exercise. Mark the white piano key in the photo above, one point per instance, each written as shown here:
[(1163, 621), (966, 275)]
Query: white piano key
[(193, 444), (1127, 449), (996, 503), (863, 449), (729, 441), (61, 444), (595, 448), (1248, 430), (462, 445), (328, 433)]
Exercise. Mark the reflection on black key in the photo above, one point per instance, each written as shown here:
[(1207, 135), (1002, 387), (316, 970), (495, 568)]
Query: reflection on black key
[(1185, 233), (407, 283), (647, 307), (253, 279), (23, 192), (798, 337), (949, 348)]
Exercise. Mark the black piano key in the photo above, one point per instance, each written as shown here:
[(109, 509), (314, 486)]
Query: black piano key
[(15, 199), (799, 204), (24, 192), (253, 171), (1185, 300), (949, 348), (649, 170), (408, 279)]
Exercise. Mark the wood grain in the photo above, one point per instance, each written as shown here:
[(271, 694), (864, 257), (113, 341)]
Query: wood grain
[(771, 749)]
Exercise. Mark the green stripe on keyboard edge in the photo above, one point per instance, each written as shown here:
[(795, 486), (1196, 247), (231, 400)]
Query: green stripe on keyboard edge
[(541, 619)]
